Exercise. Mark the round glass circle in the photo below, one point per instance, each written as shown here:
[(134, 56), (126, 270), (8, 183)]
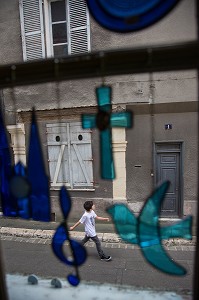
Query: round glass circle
[(19, 187)]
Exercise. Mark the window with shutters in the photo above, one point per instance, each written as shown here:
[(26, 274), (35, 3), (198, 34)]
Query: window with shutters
[(66, 24), (70, 156)]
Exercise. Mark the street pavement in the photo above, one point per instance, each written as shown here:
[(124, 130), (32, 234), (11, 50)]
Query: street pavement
[(128, 267), (26, 245)]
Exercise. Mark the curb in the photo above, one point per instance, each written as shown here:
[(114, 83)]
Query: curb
[(104, 237), (48, 234)]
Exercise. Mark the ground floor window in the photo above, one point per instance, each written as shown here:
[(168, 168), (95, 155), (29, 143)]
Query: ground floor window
[(70, 155)]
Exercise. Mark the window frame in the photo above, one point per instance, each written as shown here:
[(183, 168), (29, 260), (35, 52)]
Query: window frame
[(48, 28)]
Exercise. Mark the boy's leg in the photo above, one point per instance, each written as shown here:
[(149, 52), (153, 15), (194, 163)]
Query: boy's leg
[(98, 245), (85, 240)]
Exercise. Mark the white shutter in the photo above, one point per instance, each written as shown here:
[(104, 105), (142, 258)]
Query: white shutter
[(79, 27), (32, 29), (69, 155), (81, 155)]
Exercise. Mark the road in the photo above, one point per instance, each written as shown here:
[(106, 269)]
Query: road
[(128, 267)]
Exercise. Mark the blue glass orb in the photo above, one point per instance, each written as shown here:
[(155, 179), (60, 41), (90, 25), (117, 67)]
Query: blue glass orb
[(128, 16), (73, 280), (127, 8)]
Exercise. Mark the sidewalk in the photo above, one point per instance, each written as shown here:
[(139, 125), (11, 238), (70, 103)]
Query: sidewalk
[(45, 230)]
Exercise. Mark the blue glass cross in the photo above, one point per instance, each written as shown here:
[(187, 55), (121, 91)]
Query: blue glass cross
[(104, 120)]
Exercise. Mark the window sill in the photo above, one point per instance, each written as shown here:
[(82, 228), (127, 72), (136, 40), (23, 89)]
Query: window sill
[(18, 289)]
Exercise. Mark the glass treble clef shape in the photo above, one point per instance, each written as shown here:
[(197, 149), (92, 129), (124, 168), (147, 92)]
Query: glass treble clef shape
[(61, 235)]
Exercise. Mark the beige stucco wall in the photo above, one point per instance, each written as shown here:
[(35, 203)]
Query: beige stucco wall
[(178, 26)]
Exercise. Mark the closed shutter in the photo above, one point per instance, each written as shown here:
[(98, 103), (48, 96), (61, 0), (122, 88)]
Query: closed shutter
[(70, 155), (32, 29), (79, 27)]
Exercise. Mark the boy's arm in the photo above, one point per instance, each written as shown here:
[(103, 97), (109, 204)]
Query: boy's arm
[(76, 224), (102, 218)]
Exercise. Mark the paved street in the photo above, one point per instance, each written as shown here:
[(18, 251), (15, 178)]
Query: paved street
[(128, 267)]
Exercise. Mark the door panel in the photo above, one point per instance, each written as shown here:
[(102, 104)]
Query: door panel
[(168, 168)]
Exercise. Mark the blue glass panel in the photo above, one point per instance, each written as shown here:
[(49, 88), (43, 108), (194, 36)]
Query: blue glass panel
[(61, 235), (20, 189), (73, 279), (79, 253), (127, 8), (8, 201), (106, 155), (65, 201), (133, 22), (24, 208), (39, 196)]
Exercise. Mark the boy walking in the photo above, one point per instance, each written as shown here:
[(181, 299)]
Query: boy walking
[(88, 219)]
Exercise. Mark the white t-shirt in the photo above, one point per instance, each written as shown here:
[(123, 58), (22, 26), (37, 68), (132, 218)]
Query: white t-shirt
[(88, 219)]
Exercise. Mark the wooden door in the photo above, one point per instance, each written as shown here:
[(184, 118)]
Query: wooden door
[(168, 167)]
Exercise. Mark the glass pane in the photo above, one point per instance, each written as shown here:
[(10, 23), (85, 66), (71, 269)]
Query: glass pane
[(59, 33), (58, 11), (60, 50)]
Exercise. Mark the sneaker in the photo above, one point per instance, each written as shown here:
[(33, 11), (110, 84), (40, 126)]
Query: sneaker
[(106, 258)]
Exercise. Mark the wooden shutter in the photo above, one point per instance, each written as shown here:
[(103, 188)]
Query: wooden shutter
[(69, 155), (81, 155), (32, 29), (57, 141), (79, 27)]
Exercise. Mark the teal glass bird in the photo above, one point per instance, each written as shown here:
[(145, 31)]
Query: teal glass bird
[(145, 230)]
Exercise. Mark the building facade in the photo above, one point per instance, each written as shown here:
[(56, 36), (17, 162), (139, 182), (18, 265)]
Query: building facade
[(162, 144)]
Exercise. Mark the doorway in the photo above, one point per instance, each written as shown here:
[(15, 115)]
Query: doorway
[(168, 166)]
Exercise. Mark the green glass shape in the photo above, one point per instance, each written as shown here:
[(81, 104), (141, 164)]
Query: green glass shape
[(88, 121), (149, 234), (107, 165), (145, 230), (121, 119), (125, 222), (104, 97), (182, 229), (104, 120), (126, 225)]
